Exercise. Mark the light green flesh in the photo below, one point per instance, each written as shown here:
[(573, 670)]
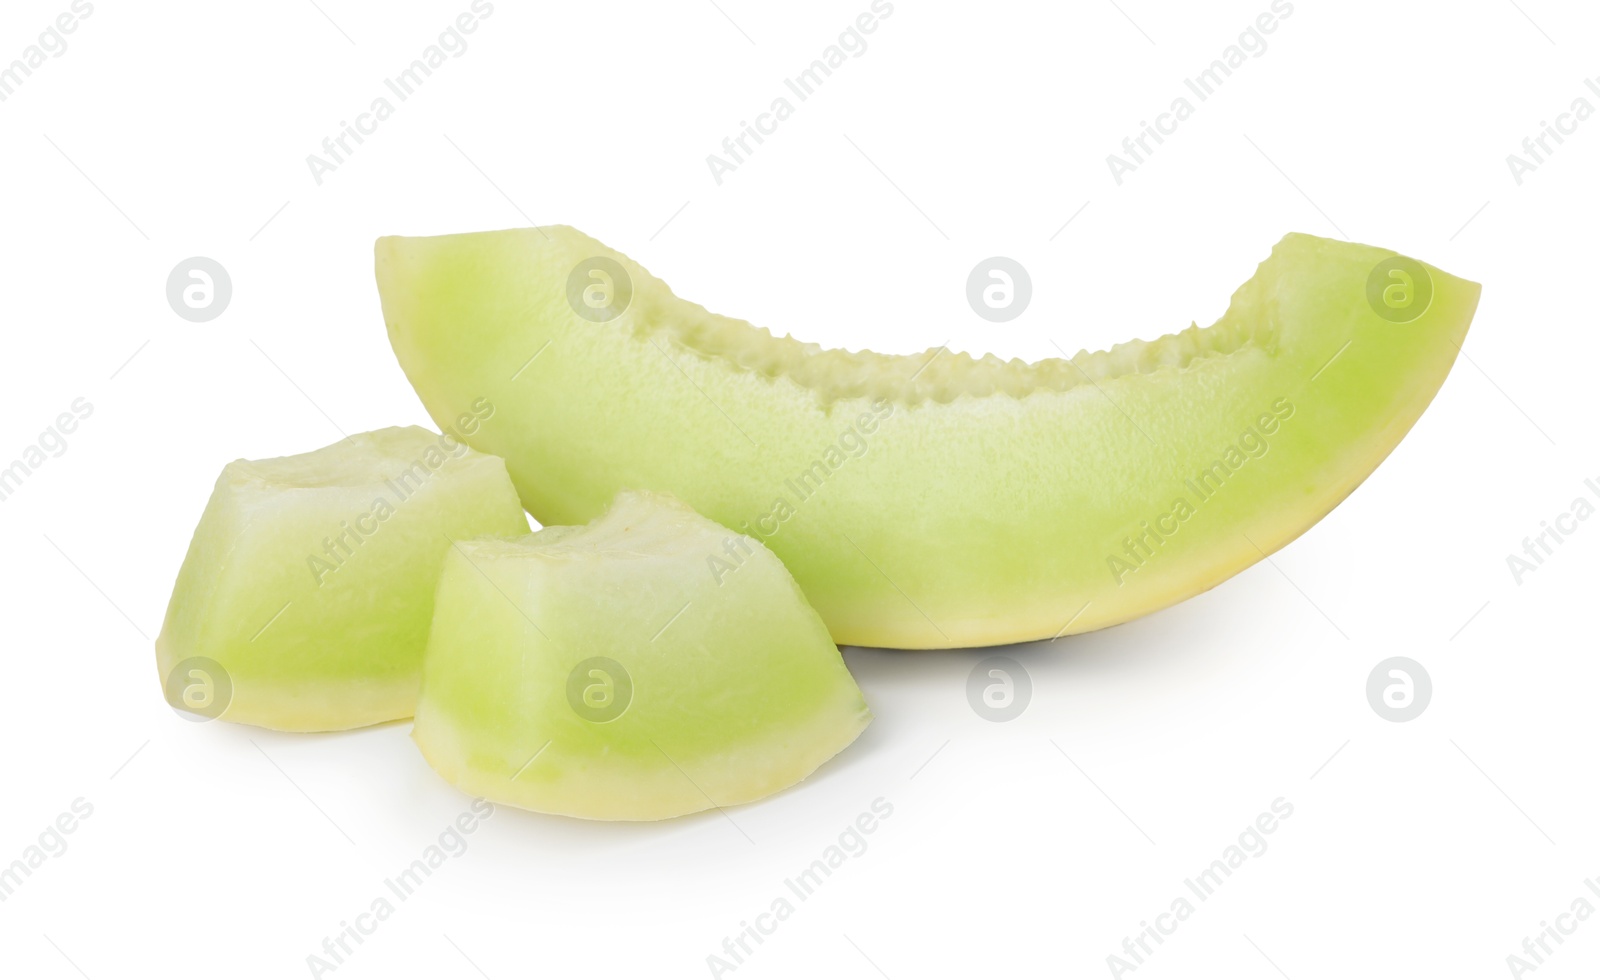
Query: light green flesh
[(345, 651), (737, 691), (992, 499)]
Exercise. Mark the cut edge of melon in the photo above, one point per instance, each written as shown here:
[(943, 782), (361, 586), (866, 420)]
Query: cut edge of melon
[(317, 704), (835, 374), (444, 747), (639, 525)]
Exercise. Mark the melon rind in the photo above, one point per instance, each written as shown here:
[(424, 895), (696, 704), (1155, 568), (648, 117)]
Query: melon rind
[(735, 690), (992, 499), (318, 626)]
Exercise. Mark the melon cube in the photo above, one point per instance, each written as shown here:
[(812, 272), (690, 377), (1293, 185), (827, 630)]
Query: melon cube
[(649, 664), (305, 598)]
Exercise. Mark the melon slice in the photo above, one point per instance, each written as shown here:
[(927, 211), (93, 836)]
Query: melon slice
[(935, 500), (308, 586), (604, 672)]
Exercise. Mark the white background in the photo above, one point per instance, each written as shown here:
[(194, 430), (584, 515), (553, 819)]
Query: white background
[(1030, 848)]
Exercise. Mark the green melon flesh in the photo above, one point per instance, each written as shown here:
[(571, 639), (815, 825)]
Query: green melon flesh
[(719, 688), (310, 578), (993, 501)]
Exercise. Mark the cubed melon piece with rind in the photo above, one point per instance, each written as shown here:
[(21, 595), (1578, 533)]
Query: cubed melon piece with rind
[(613, 672), (309, 582)]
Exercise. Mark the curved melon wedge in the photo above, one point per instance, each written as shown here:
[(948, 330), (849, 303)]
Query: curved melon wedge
[(934, 500), (603, 672)]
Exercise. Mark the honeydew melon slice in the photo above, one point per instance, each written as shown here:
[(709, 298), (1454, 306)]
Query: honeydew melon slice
[(304, 601), (603, 672), (935, 500)]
